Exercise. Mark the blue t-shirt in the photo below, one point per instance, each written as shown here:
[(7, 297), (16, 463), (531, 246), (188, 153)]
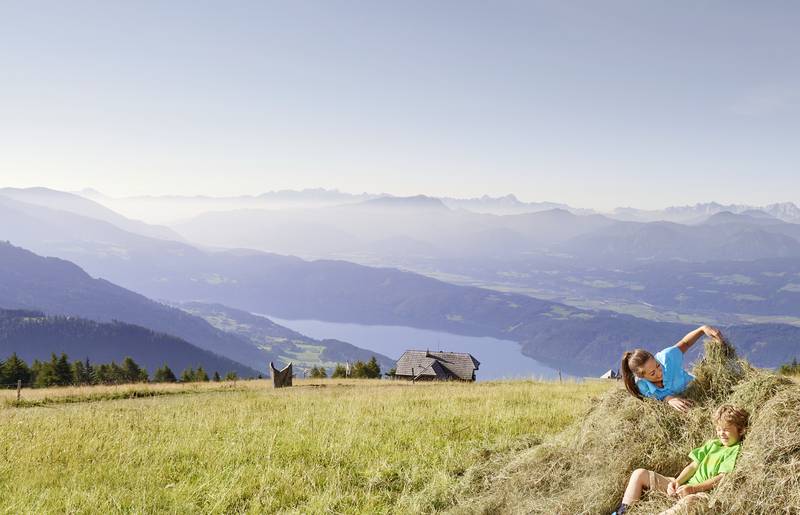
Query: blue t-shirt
[(675, 378)]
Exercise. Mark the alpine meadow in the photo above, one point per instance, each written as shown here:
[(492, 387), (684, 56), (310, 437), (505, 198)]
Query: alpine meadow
[(399, 257), (322, 446)]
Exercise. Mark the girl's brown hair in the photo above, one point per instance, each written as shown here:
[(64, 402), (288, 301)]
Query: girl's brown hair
[(633, 361)]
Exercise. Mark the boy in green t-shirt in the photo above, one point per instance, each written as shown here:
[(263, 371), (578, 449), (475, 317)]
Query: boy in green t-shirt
[(709, 463)]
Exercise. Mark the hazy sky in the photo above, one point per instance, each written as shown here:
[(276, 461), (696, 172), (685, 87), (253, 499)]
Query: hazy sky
[(597, 104)]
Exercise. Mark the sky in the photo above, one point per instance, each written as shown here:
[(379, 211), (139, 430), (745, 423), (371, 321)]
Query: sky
[(594, 104)]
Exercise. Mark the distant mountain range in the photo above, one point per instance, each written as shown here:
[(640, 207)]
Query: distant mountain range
[(417, 230), (579, 340), (507, 205), (58, 200), (418, 227), (33, 335), (785, 211), (722, 236), (185, 207), (59, 287), (172, 208), (309, 195)]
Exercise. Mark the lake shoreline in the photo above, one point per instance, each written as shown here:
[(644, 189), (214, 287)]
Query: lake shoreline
[(500, 359)]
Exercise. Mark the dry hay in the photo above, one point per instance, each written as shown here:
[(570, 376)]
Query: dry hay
[(584, 470)]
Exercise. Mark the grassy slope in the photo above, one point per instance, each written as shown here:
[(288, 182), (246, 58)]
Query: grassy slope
[(365, 446)]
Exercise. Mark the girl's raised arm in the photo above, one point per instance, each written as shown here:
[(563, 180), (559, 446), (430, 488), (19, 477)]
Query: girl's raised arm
[(691, 337)]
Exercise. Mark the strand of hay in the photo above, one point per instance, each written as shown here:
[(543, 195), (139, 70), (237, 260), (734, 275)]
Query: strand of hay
[(584, 470)]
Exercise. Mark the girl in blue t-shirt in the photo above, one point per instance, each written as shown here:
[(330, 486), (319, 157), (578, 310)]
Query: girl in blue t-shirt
[(662, 376)]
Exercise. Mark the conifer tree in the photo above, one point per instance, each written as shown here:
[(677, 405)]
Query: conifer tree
[(164, 375), (103, 374), (216, 378), (36, 369), (231, 376), (78, 373), (200, 375), (117, 373), (372, 369), (14, 369), (188, 375), (339, 371), (790, 368), (89, 371), (46, 374), (359, 370), (318, 372), (62, 370), (131, 371)]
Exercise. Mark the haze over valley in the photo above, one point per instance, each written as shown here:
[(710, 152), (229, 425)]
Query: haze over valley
[(572, 288)]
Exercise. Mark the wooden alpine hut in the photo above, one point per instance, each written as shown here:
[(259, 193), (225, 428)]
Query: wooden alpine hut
[(424, 365)]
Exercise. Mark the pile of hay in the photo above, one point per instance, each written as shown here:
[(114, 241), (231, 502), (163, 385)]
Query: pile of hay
[(585, 468)]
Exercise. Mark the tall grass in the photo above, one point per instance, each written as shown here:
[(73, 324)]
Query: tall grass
[(339, 447), (70, 394)]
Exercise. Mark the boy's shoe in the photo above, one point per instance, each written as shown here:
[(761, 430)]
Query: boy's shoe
[(621, 509)]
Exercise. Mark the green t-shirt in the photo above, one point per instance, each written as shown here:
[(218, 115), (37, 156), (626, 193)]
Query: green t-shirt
[(713, 459)]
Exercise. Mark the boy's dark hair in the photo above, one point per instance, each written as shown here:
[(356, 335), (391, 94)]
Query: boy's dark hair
[(733, 415)]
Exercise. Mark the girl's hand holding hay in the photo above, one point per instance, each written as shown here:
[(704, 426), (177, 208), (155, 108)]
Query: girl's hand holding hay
[(679, 403), (712, 332)]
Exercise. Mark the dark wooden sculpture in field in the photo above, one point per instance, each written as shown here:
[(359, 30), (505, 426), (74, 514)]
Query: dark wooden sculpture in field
[(281, 378)]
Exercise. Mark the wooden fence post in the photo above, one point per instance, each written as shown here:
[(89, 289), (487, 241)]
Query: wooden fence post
[(19, 388), (559, 375)]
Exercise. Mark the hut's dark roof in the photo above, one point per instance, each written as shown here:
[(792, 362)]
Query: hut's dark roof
[(437, 364)]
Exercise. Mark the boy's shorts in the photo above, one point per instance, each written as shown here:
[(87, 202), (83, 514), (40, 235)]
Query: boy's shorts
[(696, 502), (659, 482)]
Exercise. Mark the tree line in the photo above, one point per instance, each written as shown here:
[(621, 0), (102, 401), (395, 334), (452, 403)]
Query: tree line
[(359, 370), (60, 372), (792, 368)]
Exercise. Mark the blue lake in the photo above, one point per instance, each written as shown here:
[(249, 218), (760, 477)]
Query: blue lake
[(500, 359)]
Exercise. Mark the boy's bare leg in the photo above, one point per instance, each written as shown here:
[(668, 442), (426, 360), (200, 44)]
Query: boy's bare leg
[(642, 479)]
